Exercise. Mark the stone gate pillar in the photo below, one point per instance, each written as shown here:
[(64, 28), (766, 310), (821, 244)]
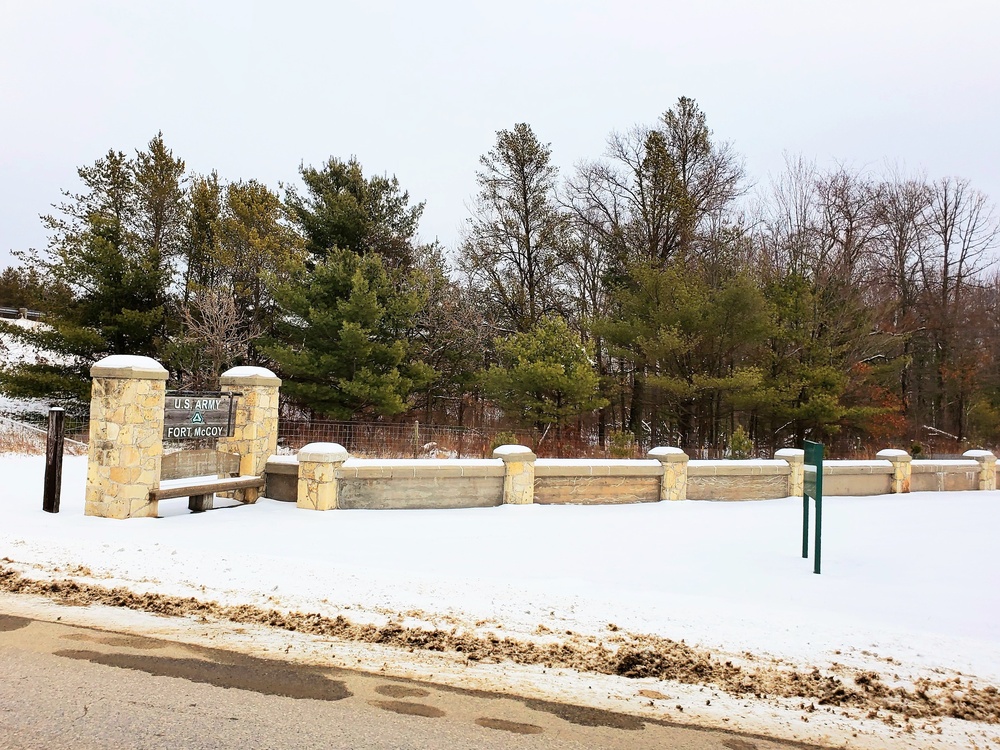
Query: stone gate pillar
[(126, 436), (255, 434)]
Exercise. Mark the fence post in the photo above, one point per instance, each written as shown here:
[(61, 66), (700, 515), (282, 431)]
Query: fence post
[(53, 460)]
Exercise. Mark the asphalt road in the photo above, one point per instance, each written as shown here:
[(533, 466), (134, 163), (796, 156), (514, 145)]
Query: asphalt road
[(63, 686)]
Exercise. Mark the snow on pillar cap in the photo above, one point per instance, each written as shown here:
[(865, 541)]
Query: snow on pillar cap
[(513, 453), (980, 455), (323, 453), (893, 454), (249, 376), (791, 455), (128, 366), (664, 454)]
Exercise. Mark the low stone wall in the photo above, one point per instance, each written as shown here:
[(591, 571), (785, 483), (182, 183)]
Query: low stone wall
[(281, 474), (415, 483), (738, 480), (944, 476), (324, 477), (856, 477), (597, 481)]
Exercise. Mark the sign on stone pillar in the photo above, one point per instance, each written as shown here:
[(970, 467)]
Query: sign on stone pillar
[(193, 415)]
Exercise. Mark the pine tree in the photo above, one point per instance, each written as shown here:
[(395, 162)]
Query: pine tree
[(111, 246), (343, 344), (545, 376)]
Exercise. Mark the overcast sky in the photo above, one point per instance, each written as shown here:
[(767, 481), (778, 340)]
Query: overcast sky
[(418, 89)]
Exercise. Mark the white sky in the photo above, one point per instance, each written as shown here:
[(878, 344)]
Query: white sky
[(418, 89)]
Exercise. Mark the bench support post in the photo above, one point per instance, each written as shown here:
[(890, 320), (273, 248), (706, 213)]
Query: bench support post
[(198, 503)]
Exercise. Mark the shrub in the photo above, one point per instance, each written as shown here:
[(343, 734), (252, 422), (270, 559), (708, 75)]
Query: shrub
[(740, 444), (621, 444)]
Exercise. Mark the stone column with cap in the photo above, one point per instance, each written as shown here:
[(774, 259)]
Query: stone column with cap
[(255, 433), (519, 474), (673, 486), (796, 460), (901, 468), (318, 481), (987, 468), (126, 436)]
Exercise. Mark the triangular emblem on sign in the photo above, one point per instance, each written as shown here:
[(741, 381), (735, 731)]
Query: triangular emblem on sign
[(197, 418)]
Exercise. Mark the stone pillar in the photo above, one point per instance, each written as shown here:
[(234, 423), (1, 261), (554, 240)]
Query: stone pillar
[(519, 474), (901, 468), (255, 437), (126, 436), (987, 468), (318, 465), (673, 486), (795, 458)]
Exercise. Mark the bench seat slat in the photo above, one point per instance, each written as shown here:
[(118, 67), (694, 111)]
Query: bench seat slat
[(206, 486)]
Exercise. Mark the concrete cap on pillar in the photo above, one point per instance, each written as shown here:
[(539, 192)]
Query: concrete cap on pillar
[(894, 454), (980, 455), (791, 455), (513, 453), (323, 453), (249, 376), (665, 455), (128, 366)]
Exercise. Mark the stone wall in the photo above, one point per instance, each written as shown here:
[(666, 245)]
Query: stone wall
[(596, 481), (416, 483), (944, 476), (667, 475), (738, 480)]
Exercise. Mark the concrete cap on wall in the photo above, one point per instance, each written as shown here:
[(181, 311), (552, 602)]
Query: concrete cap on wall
[(664, 454), (323, 453), (513, 453), (128, 366), (249, 376), (894, 454)]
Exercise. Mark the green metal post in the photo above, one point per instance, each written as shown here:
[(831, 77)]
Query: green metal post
[(812, 485), (819, 532), (805, 525)]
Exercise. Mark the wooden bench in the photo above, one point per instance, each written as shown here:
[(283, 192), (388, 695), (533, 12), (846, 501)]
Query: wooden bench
[(197, 465)]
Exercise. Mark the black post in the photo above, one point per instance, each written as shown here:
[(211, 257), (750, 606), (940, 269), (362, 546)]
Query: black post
[(53, 461)]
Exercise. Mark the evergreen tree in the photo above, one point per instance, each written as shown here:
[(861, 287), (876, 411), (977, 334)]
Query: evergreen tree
[(110, 246), (341, 208), (343, 343), (545, 376)]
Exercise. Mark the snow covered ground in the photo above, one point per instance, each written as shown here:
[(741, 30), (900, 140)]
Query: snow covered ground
[(910, 584)]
